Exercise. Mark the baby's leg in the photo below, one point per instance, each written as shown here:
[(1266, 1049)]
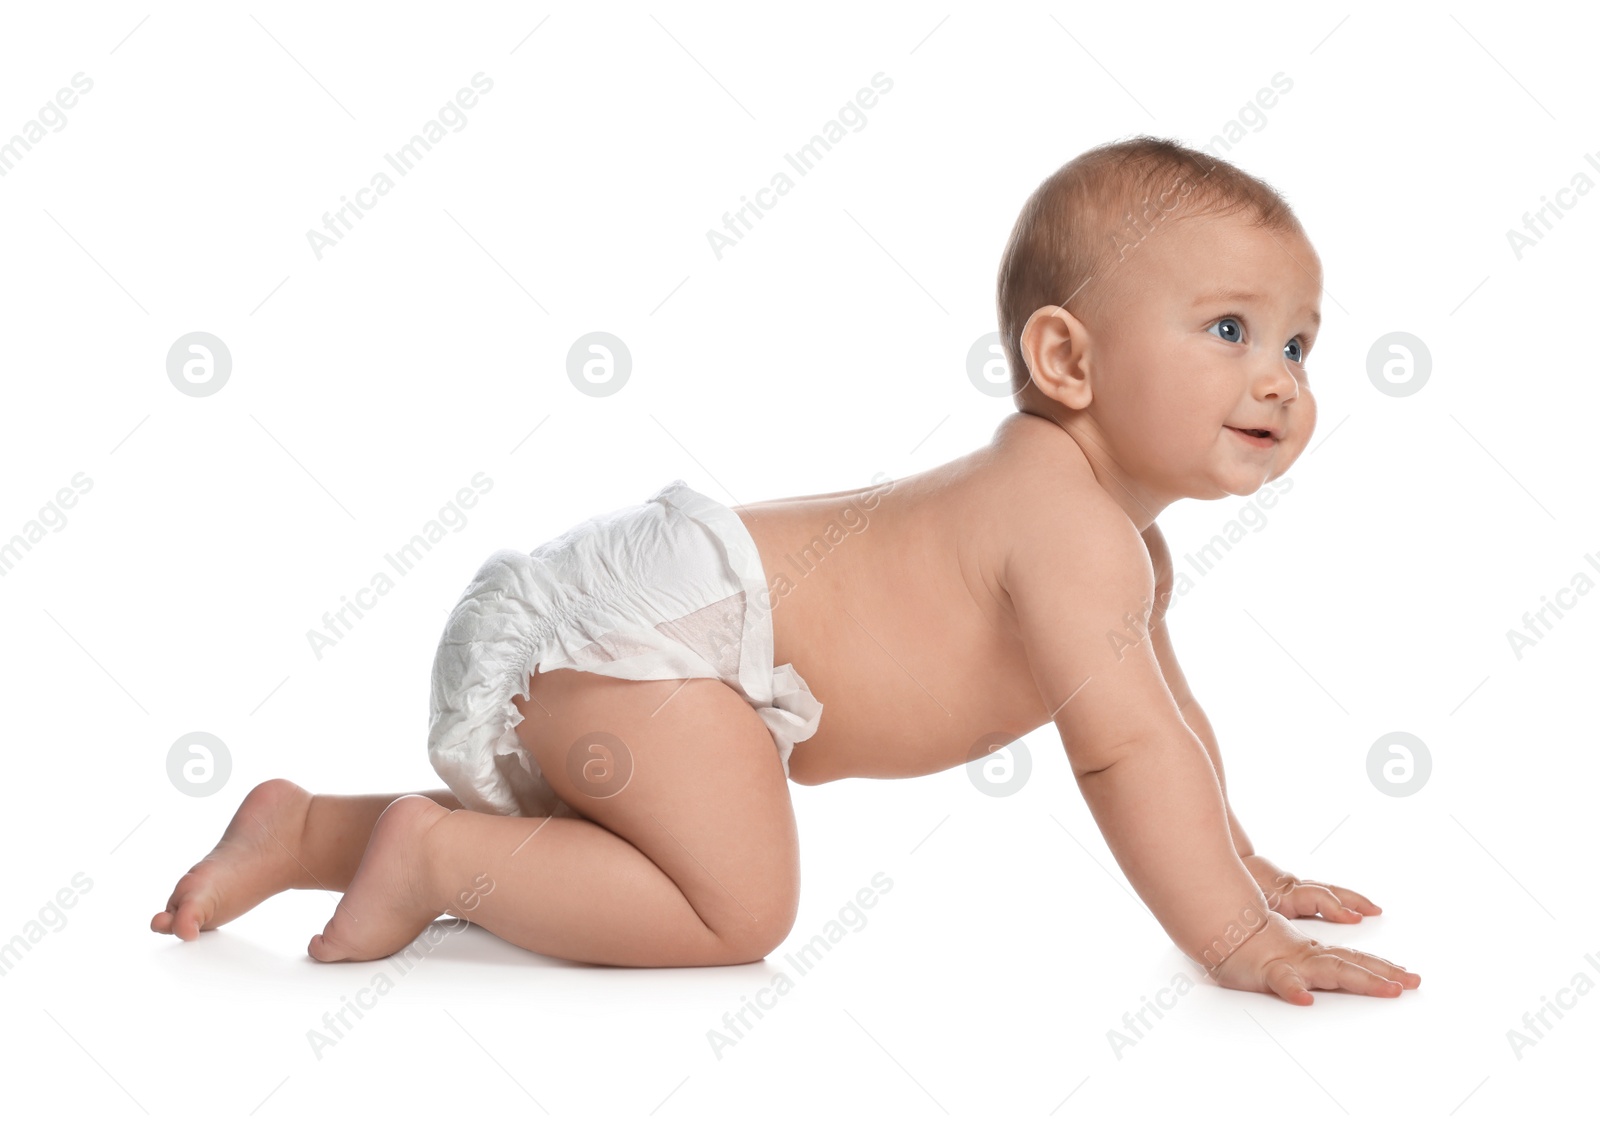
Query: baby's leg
[(694, 862), (281, 838)]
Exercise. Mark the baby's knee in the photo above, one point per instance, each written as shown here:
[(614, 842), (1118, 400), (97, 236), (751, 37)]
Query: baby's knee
[(763, 928)]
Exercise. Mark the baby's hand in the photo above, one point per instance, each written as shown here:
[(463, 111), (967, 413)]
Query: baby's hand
[(1279, 959), (1305, 898)]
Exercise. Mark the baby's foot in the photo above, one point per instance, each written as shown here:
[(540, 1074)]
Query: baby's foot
[(255, 860), (388, 903)]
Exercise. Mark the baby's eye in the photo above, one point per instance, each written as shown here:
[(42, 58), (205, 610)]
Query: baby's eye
[(1294, 351), (1234, 331)]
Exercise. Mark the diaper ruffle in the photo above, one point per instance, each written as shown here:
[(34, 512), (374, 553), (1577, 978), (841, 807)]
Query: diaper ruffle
[(794, 714), (482, 662)]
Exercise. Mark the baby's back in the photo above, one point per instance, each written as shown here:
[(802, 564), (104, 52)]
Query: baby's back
[(887, 599)]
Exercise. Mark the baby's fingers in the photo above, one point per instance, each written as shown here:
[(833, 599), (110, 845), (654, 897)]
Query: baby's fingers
[(1282, 978), (1378, 965), (1308, 899), (1354, 901), (1353, 978)]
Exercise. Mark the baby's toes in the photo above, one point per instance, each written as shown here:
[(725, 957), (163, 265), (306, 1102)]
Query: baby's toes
[(192, 905), (330, 945), (191, 916), (164, 920)]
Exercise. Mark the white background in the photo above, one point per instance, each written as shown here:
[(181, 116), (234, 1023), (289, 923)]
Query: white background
[(368, 387)]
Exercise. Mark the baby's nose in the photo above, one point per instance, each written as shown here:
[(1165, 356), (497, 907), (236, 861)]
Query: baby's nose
[(1277, 381)]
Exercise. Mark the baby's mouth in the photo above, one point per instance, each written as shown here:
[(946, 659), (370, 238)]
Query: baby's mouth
[(1259, 437)]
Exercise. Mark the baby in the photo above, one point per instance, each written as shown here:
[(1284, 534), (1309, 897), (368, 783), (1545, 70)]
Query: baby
[(618, 713)]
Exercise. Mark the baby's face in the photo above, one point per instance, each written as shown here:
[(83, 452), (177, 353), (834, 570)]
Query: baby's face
[(1208, 338)]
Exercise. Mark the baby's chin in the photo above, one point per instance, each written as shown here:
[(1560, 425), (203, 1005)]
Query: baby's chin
[(1214, 493), (1241, 484), (1243, 480)]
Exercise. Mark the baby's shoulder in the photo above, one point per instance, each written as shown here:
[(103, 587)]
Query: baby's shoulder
[(1052, 519)]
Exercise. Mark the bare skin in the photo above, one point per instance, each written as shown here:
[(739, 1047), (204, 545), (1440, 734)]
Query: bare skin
[(970, 599), (265, 851)]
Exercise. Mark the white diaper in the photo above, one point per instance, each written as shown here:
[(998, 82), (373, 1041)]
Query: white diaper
[(672, 588)]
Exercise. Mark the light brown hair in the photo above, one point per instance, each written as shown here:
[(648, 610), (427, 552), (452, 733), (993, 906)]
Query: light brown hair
[(1087, 218)]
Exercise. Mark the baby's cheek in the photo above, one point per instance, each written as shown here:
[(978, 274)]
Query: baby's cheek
[(1304, 425), (1308, 405)]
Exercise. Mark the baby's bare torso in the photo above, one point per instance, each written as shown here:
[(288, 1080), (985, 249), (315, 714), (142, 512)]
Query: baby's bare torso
[(895, 616)]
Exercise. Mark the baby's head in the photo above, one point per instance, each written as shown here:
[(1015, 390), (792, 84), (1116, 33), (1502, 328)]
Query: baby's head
[(1155, 302)]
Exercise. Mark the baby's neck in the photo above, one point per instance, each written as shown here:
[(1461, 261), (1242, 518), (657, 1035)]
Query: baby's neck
[(1083, 443)]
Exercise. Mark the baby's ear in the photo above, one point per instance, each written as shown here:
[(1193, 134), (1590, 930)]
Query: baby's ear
[(1057, 348)]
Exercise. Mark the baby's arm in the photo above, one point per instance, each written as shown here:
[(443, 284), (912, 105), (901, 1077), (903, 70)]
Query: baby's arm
[(1177, 685), (1288, 895), (1073, 572)]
